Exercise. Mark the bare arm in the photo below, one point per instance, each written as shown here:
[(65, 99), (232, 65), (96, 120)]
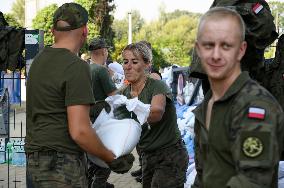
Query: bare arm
[(83, 134), (158, 105)]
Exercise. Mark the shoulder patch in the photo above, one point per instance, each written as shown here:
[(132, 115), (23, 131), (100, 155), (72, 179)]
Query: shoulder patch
[(252, 147), (256, 113)]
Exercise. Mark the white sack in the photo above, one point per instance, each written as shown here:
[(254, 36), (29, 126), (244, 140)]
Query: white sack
[(140, 109), (119, 136)]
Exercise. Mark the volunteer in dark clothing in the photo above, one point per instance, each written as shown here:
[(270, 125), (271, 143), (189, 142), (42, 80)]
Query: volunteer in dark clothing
[(59, 95), (103, 87), (164, 157)]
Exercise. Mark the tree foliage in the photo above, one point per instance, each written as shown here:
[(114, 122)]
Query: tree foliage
[(120, 28), (18, 11), (277, 9), (100, 18), (92, 27), (172, 36), (43, 21), (11, 20)]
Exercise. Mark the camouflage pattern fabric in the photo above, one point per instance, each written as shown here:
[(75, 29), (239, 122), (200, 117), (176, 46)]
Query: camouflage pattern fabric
[(243, 145), (72, 13), (273, 78), (97, 43), (12, 43), (56, 170), (260, 33), (165, 168), (3, 22), (260, 28)]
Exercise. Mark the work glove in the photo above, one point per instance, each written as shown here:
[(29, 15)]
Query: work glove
[(122, 164), (121, 112), (97, 108)]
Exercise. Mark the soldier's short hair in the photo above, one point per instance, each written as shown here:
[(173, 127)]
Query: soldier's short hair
[(223, 12)]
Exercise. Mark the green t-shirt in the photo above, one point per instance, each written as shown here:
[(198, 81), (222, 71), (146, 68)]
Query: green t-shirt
[(57, 79), (164, 133), (101, 82)]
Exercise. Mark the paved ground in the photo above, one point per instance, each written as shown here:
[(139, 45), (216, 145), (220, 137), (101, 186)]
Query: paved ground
[(17, 175)]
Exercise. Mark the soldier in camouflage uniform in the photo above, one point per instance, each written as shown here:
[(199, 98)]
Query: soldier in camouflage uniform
[(103, 86), (260, 33), (274, 73), (59, 95), (239, 125)]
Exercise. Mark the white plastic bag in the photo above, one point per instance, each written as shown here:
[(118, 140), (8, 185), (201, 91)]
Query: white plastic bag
[(119, 136)]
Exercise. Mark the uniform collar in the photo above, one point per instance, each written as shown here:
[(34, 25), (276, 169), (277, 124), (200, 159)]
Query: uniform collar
[(200, 111), (236, 86)]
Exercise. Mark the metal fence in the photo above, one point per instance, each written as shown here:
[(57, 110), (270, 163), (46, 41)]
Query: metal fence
[(12, 130)]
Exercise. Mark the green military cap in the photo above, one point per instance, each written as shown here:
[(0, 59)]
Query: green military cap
[(72, 13), (97, 43)]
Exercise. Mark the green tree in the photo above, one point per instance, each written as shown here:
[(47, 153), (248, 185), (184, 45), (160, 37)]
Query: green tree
[(11, 20), (18, 11), (43, 21), (92, 27), (100, 18), (120, 28), (174, 35), (277, 9)]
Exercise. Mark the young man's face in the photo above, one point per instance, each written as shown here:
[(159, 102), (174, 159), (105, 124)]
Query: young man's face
[(220, 48)]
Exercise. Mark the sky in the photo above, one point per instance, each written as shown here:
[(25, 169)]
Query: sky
[(149, 9)]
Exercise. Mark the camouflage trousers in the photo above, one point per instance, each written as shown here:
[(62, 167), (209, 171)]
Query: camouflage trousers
[(165, 167), (57, 170)]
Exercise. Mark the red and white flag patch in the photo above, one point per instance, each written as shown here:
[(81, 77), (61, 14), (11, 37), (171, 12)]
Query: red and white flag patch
[(257, 8), (257, 113)]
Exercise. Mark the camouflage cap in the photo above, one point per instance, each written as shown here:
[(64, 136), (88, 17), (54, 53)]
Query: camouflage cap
[(97, 43), (72, 13)]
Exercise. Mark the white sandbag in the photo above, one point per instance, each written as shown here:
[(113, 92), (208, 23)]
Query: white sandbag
[(140, 109), (190, 175), (119, 136)]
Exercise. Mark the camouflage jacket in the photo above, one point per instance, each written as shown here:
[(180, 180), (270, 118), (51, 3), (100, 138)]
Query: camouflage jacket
[(242, 146), (260, 33), (273, 78)]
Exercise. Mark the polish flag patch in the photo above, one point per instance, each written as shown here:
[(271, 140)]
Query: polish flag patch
[(257, 113), (257, 8)]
